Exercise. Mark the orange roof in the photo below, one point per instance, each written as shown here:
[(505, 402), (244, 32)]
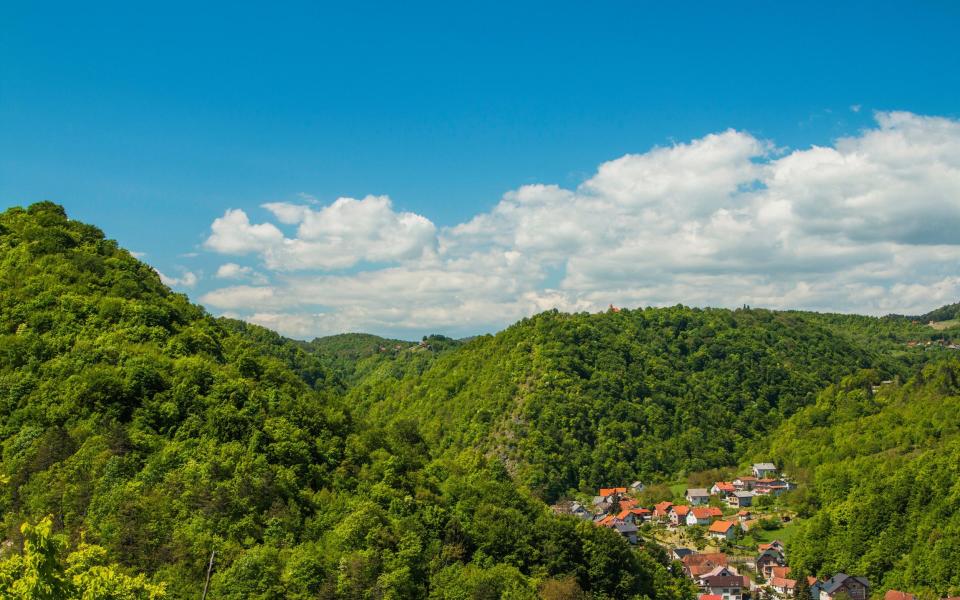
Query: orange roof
[(783, 572), (746, 478), (623, 514), (710, 597), (662, 508), (705, 512), (720, 526), (710, 559), (604, 492), (681, 510), (724, 486), (898, 595), (783, 583), (628, 503), (640, 511), (763, 547), (743, 513)]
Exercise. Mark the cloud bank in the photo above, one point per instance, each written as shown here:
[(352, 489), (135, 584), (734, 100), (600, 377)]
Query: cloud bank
[(870, 224)]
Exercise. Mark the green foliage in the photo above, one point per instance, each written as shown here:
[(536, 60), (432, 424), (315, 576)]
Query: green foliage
[(156, 433), (39, 574), (572, 402), (880, 464)]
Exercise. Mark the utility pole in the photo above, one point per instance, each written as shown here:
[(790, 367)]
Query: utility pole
[(209, 571)]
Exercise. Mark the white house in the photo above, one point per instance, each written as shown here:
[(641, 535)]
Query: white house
[(764, 470), (697, 496)]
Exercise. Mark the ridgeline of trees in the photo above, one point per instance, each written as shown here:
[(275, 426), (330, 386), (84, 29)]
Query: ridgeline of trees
[(571, 402)]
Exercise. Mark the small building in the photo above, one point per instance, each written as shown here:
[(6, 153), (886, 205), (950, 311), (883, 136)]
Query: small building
[(740, 499), (678, 515), (785, 588), (743, 515), (661, 511), (702, 515), (611, 492), (637, 486), (722, 488), (898, 595), (696, 565), (746, 482), (762, 470), (767, 560), (627, 530), (857, 588), (697, 496), (680, 553), (728, 587), (723, 530)]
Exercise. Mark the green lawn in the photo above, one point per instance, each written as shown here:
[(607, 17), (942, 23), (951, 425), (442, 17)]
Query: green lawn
[(677, 489), (784, 534)]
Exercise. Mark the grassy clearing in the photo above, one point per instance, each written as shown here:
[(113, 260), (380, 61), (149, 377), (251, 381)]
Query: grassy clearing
[(941, 325)]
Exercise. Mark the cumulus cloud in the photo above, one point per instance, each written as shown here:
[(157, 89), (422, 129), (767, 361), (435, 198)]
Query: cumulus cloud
[(867, 224), (240, 272), (187, 280)]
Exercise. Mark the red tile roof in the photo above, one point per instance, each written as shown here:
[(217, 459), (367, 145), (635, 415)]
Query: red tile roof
[(706, 512), (720, 526), (784, 571), (783, 583), (681, 510), (724, 486), (710, 597), (898, 595), (604, 492)]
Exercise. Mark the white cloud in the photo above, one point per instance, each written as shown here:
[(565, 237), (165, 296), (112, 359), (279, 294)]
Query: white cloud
[(187, 280), (239, 272), (867, 224)]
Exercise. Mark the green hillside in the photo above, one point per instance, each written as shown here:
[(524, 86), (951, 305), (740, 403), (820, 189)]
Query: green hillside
[(571, 402), (878, 468), (138, 434)]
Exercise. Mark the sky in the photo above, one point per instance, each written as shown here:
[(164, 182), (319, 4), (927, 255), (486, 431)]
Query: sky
[(416, 168)]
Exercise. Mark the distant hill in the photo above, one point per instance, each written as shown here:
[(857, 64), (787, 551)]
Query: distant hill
[(574, 401), (948, 312), (877, 463)]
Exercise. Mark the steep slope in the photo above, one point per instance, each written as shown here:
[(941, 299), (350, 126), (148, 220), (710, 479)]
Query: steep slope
[(879, 465), (142, 424), (576, 401)]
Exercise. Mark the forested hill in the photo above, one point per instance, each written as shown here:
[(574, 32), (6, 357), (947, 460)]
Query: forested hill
[(575, 401), (877, 464), (138, 434)]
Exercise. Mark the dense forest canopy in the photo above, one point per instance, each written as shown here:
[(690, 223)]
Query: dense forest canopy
[(138, 434), (142, 426)]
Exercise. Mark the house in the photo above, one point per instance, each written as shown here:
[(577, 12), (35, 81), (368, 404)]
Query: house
[(767, 560), (743, 515), (641, 515), (678, 515), (709, 597), (697, 496), (728, 587), (744, 483), (782, 572), (572, 508), (680, 553), (701, 515), (740, 499), (626, 515), (761, 470), (695, 565), (775, 544), (637, 486), (628, 503), (627, 530), (722, 488), (723, 530), (661, 511), (784, 587), (841, 584), (898, 595), (614, 491)]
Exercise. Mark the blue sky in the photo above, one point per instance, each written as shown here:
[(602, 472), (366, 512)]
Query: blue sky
[(153, 121)]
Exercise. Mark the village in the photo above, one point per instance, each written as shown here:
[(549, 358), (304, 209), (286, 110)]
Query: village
[(706, 532)]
